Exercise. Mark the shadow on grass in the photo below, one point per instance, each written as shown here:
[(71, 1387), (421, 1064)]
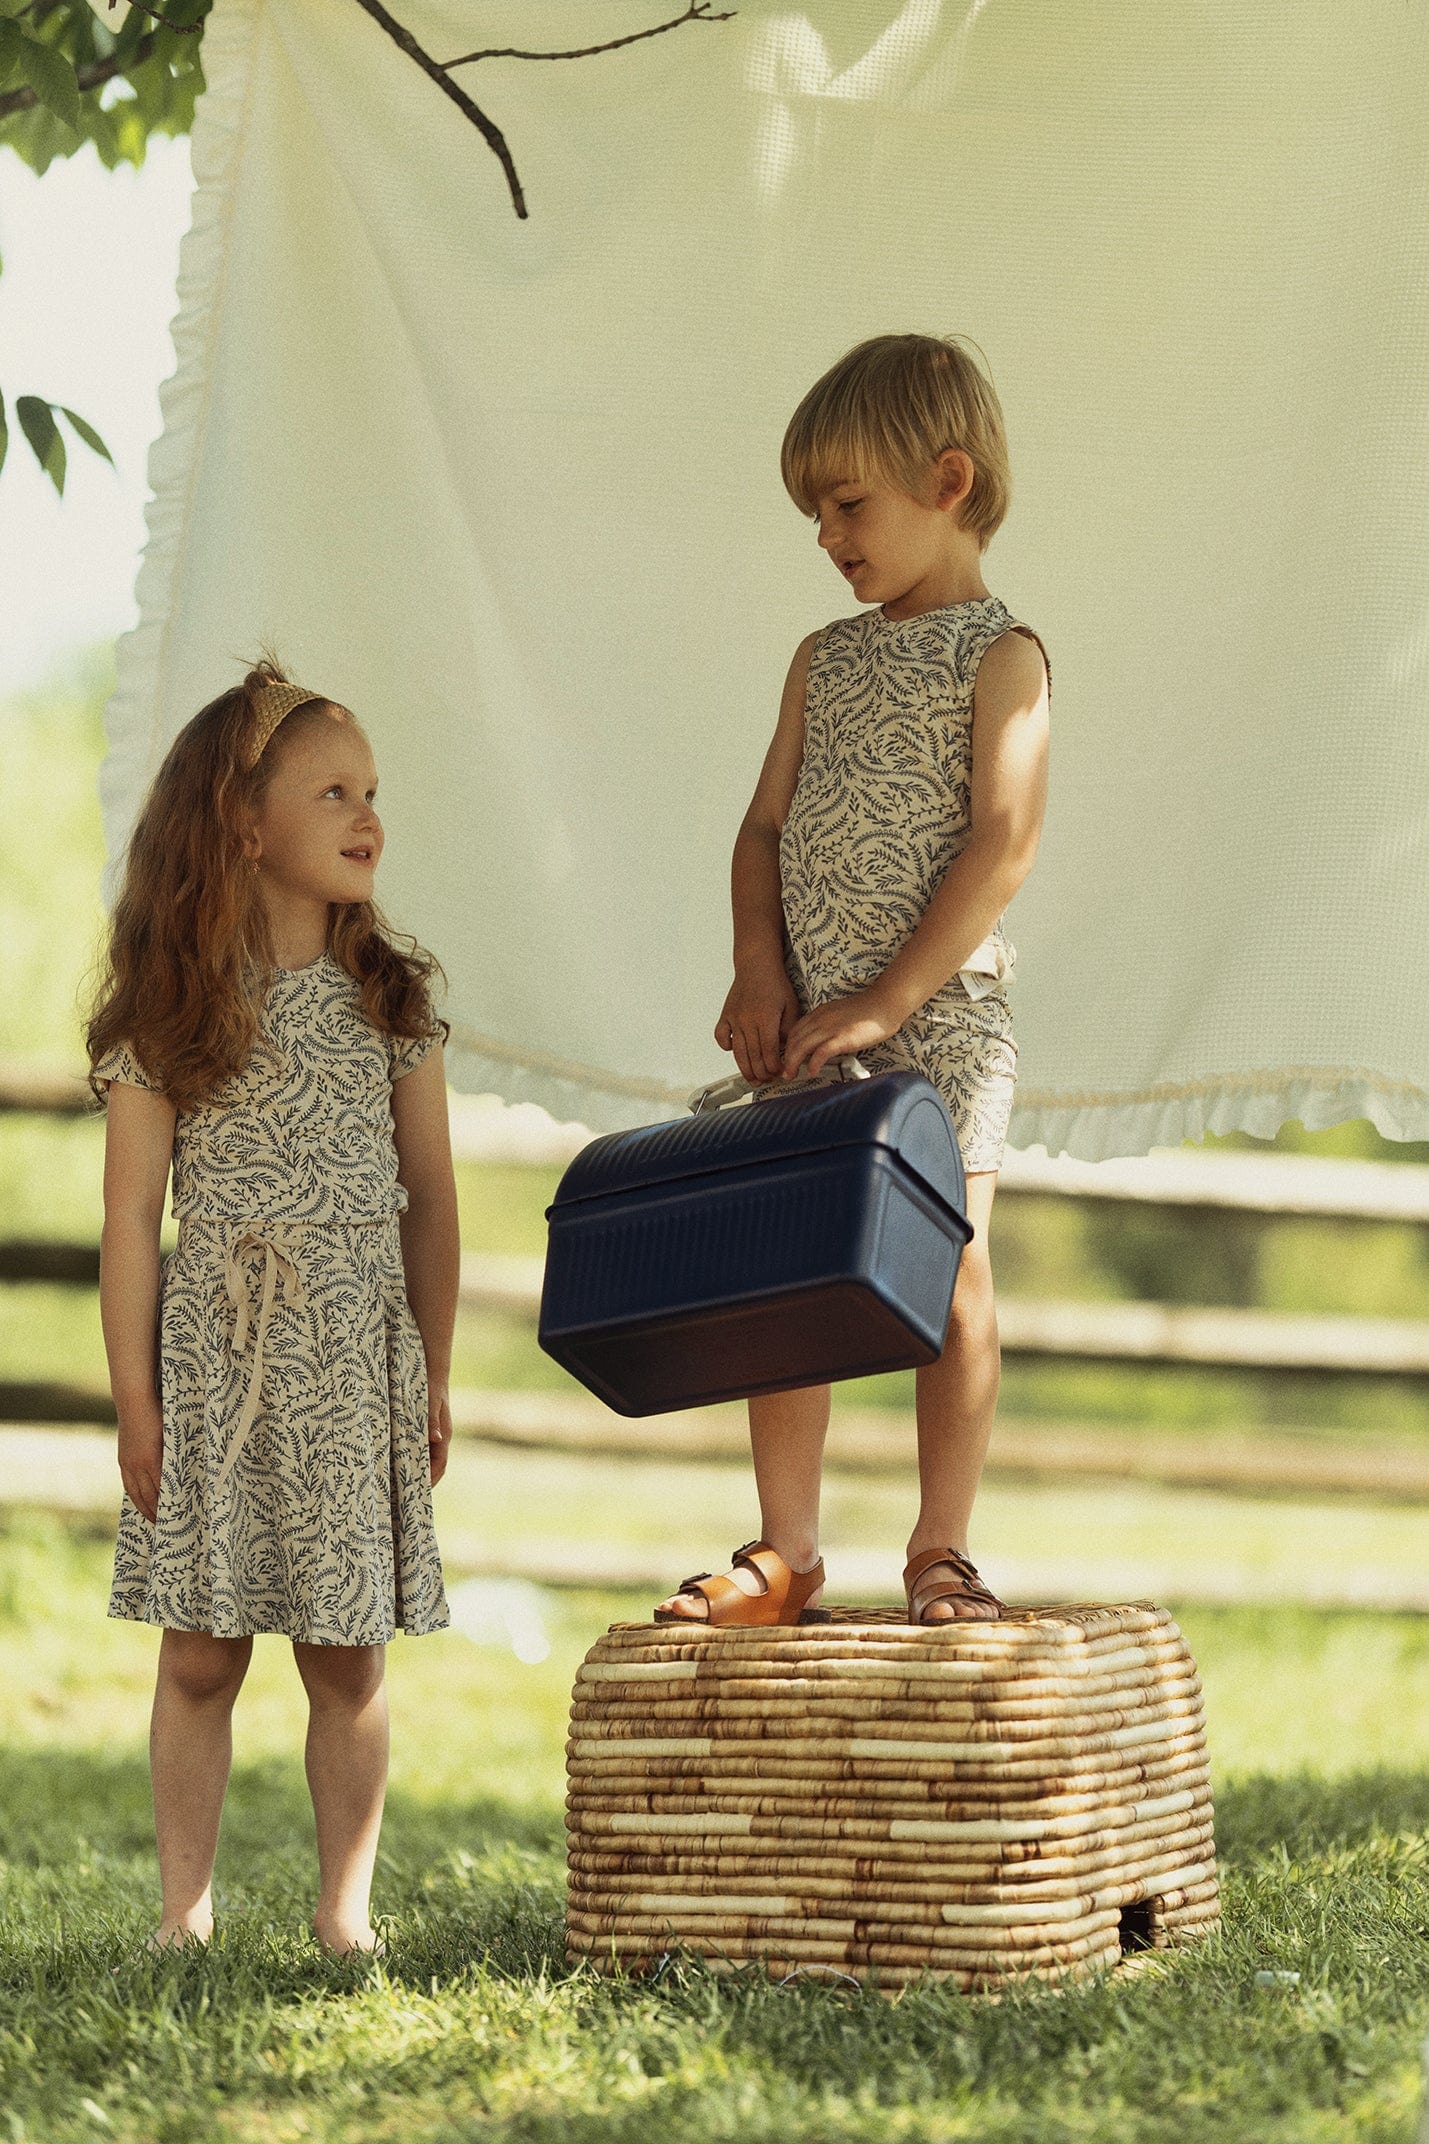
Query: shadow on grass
[(480, 1880), (468, 1882), (473, 2026)]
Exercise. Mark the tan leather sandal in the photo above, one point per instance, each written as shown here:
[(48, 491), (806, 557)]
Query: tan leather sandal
[(964, 1586), (782, 1601)]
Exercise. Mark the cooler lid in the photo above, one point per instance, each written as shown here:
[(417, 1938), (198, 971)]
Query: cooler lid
[(899, 1110)]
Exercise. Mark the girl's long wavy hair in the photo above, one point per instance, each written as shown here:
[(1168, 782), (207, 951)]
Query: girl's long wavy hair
[(188, 957)]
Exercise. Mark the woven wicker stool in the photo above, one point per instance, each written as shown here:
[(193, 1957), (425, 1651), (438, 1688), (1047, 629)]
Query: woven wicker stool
[(979, 1801)]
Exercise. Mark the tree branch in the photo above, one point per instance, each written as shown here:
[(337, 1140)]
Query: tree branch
[(102, 71), (491, 134), (91, 77), (697, 11), (440, 70), (185, 29)]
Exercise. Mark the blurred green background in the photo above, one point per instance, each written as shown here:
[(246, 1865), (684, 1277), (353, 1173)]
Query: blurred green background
[(51, 854)]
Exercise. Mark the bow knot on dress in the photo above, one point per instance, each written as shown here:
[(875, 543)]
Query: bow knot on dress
[(280, 1265)]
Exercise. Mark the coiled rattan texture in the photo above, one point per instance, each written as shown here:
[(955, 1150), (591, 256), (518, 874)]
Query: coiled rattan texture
[(977, 1801)]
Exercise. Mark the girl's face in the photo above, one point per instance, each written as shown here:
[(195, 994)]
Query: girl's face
[(883, 541), (317, 833)]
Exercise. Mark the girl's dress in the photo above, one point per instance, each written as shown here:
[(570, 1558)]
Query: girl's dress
[(295, 1493), (881, 808)]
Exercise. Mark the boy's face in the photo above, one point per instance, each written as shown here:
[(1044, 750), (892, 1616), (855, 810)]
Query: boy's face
[(882, 540), (318, 815)]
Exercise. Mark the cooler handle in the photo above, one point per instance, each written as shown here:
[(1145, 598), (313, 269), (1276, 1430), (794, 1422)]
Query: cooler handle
[(706, 1100)]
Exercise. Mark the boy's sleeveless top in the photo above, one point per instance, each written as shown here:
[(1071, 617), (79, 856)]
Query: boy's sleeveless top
[(883, 800)]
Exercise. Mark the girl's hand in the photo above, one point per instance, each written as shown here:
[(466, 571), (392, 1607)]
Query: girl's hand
[(758, 1014), (141, 1456), (841, 1028), (439, 1428)]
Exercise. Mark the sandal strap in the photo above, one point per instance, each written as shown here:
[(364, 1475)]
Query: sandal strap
[(966, 1584), (716, 1593), (784, 1596), (784, 1587)]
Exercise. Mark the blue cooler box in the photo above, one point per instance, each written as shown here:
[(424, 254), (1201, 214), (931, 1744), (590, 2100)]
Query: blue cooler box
[(806, 1237)]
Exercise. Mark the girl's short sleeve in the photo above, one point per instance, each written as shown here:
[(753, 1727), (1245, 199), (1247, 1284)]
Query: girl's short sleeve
[(121, 1064), (407, 1051)]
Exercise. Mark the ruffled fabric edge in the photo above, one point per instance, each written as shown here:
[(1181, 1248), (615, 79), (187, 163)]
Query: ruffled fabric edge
[(572, 1093), (219, 128), (1100, 1127), (1108, 1127)]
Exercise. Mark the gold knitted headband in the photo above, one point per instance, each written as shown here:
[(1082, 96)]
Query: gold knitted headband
[(270, 704)]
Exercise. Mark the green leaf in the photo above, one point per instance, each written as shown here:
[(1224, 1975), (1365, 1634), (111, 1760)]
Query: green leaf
[(39, 427), (38, 136), (4, 433), (11, 39), (52, 77), (87, 433), (131, 139), (136, 24)]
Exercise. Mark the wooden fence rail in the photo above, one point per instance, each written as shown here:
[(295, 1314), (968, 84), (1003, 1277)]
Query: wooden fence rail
[(876, 1441), (1117, 1332)]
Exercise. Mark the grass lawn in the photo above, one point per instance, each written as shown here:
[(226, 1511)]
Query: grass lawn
[(474, 2028)]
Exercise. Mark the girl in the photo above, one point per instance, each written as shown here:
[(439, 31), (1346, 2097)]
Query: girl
[(898, 811), (282, 1389)]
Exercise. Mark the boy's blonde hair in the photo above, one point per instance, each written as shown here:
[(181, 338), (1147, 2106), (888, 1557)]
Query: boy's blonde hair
[(888, 409)]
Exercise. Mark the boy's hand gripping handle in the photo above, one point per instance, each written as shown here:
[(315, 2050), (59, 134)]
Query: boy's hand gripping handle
[(705, 1100)]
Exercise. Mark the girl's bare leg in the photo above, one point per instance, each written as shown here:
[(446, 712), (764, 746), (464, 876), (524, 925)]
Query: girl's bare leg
[(957, 1399), (346, 1759), (190, 1754), (787, 1431)]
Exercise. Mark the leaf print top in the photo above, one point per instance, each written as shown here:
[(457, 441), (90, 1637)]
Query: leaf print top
[(883, 800), (304, 1131)]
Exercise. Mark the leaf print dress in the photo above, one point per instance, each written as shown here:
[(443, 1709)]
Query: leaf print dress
[(881, 808), (295, 1492)]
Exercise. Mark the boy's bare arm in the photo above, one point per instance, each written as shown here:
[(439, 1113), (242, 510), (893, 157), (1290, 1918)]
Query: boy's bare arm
[(760, 1006), (754, 875), (138, 1149), (1009, 799)]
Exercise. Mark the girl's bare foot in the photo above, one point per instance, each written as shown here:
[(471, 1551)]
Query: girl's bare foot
[(178, 1932), (342, 1942)]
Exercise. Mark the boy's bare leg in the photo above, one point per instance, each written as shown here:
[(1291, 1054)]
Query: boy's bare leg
[(190, 1755), (786, 1431), (346, 1758), (957, 1399)]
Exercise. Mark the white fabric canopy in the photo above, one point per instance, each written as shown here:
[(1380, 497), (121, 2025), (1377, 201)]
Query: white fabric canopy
[(510, 489)]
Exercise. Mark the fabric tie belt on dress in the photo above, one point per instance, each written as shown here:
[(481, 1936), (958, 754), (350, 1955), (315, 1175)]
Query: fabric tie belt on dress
[(281, 1269), (280, 1262)]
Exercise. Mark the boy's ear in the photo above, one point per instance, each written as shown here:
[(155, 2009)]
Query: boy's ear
[(955, 477)]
